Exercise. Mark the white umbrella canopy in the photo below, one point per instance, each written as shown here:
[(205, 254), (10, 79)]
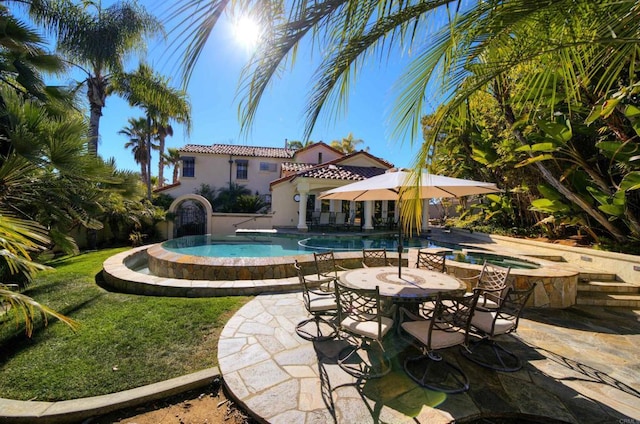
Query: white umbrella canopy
[(391, 184), (399, 184)]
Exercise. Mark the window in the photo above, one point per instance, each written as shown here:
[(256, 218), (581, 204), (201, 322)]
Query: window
[(319, 157), (188, 166), (268, 167), (242, 168)]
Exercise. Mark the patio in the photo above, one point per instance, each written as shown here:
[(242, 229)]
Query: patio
[(581, 366)]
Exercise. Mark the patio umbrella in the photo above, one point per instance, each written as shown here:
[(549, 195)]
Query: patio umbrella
[(397, 183)]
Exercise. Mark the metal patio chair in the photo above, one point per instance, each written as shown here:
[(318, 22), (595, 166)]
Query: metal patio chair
[(362, 316), (438, 324), (327, 270), (374, 257), (490, 324), (319, 304), (433, 261)]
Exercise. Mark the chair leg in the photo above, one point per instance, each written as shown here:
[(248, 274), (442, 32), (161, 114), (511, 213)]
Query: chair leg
[(433, 372), (363, 361), (316, 329), (489, 354)]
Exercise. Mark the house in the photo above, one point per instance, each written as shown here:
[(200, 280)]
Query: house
[(288, 180)]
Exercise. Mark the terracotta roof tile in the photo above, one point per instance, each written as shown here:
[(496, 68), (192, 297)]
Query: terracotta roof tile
[(295, 166), (340, 172), (235, 150)]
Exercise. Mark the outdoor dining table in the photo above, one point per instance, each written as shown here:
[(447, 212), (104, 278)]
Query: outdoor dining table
[(416, 284)]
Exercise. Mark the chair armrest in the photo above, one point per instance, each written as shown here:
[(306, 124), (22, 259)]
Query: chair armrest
[(405, 312)]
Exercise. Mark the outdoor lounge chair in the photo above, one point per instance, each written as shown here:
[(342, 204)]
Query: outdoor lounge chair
[(489, 324), (438, 324), (340, 221), (362, 317), (319, 304)]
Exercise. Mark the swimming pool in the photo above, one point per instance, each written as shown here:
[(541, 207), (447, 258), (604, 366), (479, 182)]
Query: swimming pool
[(264, 246), (275, 245)]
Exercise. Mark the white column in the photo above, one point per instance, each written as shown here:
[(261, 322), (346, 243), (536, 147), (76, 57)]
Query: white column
[(302, 212), (425, 215), (368, 221)]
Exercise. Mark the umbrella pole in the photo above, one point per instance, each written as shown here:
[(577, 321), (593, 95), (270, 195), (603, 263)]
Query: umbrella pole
[(400, 247)]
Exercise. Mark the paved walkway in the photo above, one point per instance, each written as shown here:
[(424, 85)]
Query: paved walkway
[(582, 365)]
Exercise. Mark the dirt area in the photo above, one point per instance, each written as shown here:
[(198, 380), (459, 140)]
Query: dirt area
[(208, 405)]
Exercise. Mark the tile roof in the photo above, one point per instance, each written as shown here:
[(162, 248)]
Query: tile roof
[(295, 166), (341, 172), (236, 150)]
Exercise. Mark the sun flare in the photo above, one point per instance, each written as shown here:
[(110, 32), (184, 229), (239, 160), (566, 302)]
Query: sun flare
[(246, 31)]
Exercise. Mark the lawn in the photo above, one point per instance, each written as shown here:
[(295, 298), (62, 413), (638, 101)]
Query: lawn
[(123, 341)]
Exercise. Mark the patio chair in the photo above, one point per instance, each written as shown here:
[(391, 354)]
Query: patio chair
[(374, 257), (433, 261), (325, 220), (318, 303), (340, 221), (362, 317), (326, 270), (492, 282), (315, 219), (489, 324), (438, 324)]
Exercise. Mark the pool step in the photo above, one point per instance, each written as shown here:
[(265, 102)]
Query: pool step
[(593, 289)]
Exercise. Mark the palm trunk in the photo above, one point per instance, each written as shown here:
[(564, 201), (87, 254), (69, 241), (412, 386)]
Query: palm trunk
[(175, 173), (161, 137), (96, 96), (501, 96)]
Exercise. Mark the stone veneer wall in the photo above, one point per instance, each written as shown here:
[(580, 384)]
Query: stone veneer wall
[(556, 288)]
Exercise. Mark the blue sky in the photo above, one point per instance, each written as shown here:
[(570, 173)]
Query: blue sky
[(212, 92)]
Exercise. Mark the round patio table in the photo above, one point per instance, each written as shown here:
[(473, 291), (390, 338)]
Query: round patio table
[(415, 284)]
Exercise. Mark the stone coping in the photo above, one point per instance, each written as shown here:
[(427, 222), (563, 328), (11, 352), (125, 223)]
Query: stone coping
[(557, 286), (78, 410)]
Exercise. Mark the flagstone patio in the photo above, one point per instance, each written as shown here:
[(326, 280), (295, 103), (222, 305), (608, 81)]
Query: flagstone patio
[(582, 365)]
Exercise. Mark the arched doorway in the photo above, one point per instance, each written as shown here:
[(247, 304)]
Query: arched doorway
[(192, 216)]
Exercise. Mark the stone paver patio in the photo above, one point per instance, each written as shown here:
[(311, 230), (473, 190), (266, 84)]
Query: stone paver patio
[(582, 365)]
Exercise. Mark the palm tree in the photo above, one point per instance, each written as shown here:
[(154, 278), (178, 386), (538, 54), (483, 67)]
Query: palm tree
[(172, 158), (98, 42), (347, 145), (575, 44), (138, 132), (163, 104), (227, 198)]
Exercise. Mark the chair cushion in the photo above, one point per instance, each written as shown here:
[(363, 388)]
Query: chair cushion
[(482, 320), (485, 302), (440, 339), (367, 328), (319, 303)]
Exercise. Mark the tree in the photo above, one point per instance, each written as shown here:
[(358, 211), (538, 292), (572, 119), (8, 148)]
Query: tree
[(583, 50), (297, 144), (138, 132), (172, 158), (163, 104), (98, 41), (227, 198), (347, 145)]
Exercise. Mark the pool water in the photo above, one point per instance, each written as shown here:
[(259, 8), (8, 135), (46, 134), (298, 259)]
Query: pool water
[(275, 245)]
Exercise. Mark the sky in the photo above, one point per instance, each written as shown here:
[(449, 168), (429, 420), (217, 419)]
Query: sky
[(214, 102)]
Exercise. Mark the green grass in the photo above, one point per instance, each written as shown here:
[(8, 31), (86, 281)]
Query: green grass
[(123, 341)]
